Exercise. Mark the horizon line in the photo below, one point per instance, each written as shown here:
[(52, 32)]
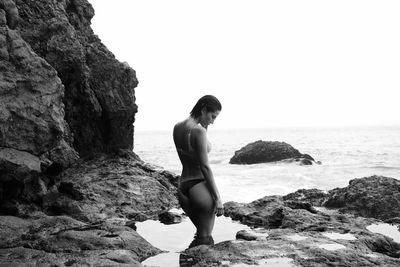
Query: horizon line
[(394, 125)]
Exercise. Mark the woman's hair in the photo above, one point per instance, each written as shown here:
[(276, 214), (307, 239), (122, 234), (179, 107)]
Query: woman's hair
[(210, 102)]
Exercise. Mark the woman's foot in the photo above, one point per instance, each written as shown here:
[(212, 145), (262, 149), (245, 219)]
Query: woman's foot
[(202, 240)]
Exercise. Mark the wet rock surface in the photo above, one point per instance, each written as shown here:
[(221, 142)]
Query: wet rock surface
[(87, 217), (375, 196), (300, 234), (170, 217), (245, 235), (315, 197), (266, 151), (281, 249), (60, 240), (111, 186)]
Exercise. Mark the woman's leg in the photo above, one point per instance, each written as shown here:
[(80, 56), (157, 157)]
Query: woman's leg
[(201, 209), (184, 201)]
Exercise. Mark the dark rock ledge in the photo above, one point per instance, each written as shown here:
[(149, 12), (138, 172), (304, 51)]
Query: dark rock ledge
[(267, 151), (300, 234), (86, 215), (63, 241)]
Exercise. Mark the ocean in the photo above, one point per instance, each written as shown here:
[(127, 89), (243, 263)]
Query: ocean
[(345, 153)]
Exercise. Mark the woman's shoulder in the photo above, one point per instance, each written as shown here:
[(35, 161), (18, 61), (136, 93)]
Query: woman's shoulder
[(199, 130), (179, 125)]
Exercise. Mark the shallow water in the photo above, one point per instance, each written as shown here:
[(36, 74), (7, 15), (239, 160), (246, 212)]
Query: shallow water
[(386, 229), (331, 247), (340, 236), (297, 237), (175, 238)]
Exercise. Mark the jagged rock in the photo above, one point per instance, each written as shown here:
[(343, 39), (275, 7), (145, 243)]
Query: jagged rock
[(11, 16), (62, 155), (299, 236), (110, 186), (21, 256), (62, 239), (274, 212), (315, 197), (31, 113), (245, 235), (131, 224), (375, 196), (285, 247), (395, 220), (62, 91), (19, 159), (371, 197), (170, 217), (99, 91), (265, 151), (137, 216)]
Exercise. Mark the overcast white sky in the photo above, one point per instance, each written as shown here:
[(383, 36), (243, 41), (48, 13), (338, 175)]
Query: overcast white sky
[(271, 63)]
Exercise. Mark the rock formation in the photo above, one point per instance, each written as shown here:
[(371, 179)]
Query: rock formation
[(32, 126), (295, 233), (87, 214), (62, 91), (265, 151), (71, 189), (99, 91), (110, 187), (375, 196), (63, 241)]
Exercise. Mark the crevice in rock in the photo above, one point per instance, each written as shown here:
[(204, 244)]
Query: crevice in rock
[(69, 190)]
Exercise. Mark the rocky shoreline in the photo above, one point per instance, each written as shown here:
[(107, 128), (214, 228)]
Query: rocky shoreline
[(302, 231), (92, 222), (71, 189), (88, 216)]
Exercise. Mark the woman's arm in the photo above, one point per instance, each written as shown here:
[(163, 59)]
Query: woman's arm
[(200, 141)]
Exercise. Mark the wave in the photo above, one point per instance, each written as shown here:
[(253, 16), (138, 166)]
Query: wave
[(217, 161), (384, 167)]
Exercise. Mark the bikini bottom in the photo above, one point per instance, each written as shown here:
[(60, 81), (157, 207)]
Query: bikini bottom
[(187, 185)]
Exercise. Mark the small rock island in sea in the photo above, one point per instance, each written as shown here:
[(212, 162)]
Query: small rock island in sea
[(267, 151)]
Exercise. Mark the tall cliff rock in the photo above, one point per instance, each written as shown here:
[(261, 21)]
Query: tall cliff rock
[(63, 94), (32, 126), (99, 90)]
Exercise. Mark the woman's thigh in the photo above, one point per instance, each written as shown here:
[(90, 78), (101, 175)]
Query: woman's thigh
[(200, 198), (183, 201)]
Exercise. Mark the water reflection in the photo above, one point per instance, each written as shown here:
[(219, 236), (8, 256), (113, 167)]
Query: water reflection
[(176, 238), (186, 260)]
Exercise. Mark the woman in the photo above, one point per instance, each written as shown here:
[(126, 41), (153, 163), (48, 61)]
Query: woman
[(198, 193)]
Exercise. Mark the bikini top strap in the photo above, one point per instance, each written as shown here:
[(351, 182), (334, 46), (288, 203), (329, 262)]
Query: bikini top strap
[(188, 138)]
